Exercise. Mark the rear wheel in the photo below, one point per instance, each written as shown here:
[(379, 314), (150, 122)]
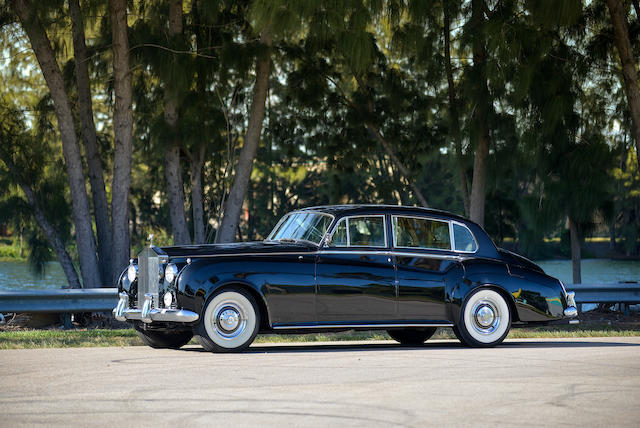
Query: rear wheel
[(485, 319), (230, 322), (164, 339), (412, 336)]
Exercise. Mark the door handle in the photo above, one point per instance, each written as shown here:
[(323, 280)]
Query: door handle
[(299, 257)]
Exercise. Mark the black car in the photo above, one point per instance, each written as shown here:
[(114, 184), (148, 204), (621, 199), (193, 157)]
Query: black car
[(405, 270)]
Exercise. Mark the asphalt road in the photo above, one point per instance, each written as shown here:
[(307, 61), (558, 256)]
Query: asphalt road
[(566, 382)]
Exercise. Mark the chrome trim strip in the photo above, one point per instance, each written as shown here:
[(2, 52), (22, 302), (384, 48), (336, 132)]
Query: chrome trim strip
[(324, 251), (432, 256), (291, 253), (394, 253), (297, 327)]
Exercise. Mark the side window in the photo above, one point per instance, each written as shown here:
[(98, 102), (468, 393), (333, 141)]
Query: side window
[(414, 232), (339, 238), (463, 239), (359, 231), (366, 231)]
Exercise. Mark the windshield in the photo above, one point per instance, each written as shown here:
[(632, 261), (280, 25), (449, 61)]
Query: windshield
[(301, 226)]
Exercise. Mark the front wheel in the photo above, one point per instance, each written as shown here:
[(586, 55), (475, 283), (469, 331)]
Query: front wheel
[(412, 336), (485, 319), (230, 322), (164, 339)]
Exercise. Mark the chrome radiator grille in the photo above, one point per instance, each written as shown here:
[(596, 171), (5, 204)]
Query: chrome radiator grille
[(149, 269)]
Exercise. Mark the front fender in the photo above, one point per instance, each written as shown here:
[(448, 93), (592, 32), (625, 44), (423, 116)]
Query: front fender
[(199, 280)]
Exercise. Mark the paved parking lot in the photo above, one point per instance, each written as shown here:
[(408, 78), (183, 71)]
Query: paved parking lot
[(565, 382)]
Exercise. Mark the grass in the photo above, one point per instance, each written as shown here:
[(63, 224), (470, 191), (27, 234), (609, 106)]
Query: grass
[(34, 339)]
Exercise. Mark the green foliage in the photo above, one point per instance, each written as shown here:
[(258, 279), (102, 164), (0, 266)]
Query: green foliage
[(555, 110)]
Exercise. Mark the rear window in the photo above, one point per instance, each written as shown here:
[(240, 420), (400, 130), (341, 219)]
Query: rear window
[(463, 239)]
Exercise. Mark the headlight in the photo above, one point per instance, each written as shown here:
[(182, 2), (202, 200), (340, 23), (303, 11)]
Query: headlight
[(170, 272), (132, 272), (168, 299)]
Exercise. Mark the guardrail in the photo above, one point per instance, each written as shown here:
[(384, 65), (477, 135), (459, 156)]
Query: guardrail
[(627, 293), (59, 301), (105, 299)]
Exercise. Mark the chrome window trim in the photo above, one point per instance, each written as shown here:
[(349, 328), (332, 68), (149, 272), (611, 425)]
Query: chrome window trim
[(392, 253), (331, 216), (453, 234), (333, 232), (382, 325), (327, 250), (327, 241), (393, 232)]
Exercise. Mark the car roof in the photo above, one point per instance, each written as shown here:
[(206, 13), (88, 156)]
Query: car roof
[(341, 210), (486, 247)]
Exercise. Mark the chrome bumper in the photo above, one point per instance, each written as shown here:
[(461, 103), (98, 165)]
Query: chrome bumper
[(571, 311), (147, 314)]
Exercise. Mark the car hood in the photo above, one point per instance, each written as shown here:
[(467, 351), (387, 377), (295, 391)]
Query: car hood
[(238, 248), (518, 260)]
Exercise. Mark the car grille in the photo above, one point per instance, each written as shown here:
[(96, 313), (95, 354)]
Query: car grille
[(149, 269)]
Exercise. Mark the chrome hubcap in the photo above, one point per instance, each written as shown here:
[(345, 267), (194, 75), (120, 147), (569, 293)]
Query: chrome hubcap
[(486, 317), (228, 320)]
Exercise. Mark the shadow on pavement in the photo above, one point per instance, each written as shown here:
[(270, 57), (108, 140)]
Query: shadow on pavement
[(311, 347), (567, 343)]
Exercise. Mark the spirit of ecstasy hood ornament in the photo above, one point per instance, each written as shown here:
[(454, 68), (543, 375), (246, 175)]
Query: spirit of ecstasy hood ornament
[(150, 239)]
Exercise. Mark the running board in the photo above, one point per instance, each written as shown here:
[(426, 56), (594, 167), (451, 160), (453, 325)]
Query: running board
[(413, 325)]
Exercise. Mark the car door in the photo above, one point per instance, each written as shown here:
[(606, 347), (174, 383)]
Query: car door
[(423, 253), (355, 276)]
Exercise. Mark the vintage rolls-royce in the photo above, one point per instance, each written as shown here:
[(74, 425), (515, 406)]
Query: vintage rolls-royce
[(405, 270)]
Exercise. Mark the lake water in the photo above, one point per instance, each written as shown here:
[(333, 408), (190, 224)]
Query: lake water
[(16, 275)]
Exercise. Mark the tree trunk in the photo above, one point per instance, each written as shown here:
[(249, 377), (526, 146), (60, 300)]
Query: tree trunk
[(175, 194), (453, 113), (71, 151), (50, 232), (628, 63), (480, 115), (53, 237), (375, 132), (612, 235), (123, 132), (90, 140), (233, 206), (197, 161), (575, 251), (197, 158), (173, 170)]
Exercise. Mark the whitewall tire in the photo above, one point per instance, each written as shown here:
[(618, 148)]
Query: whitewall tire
[(230, 322), (485, 319)]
